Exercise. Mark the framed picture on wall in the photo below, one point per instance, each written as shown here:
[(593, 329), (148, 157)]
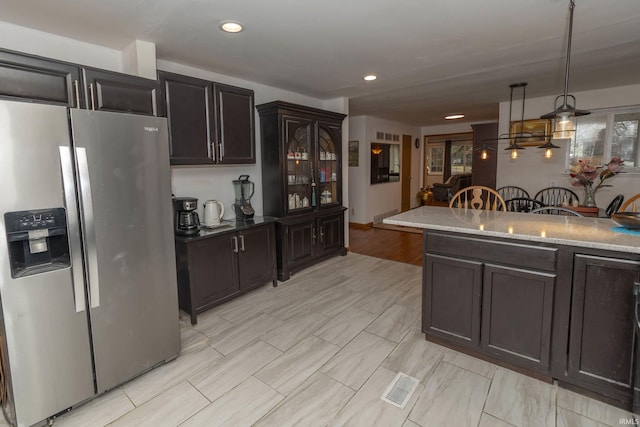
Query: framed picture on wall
[(353, 153), (533, 133)]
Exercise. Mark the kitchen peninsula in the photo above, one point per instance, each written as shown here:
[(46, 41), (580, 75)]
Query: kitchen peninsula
[(548, 295)]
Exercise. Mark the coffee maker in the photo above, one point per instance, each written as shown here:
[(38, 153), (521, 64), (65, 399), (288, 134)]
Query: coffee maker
[(185, 217), (244, 191)]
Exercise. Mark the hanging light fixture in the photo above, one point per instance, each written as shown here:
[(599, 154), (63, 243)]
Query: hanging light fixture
[(564, 116), (548, 146), (513, 137), (484, 151)]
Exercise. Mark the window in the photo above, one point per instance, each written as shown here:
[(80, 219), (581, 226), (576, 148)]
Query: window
[(461, 156), (607, 133), (435, 158)]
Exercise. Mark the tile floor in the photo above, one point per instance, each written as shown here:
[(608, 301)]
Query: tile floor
[(319, 350)]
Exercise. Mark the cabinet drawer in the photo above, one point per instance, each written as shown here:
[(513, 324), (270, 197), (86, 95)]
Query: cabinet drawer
[(502, 252)]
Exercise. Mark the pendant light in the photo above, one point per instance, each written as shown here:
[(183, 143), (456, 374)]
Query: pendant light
[(548, 146), (564, 116), (513, 138)]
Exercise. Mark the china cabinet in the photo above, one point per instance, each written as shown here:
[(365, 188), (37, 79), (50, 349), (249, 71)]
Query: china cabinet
[(302, 182)]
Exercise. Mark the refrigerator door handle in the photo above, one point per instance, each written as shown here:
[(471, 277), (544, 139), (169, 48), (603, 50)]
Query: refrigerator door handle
[(89, 226), (75, 246)]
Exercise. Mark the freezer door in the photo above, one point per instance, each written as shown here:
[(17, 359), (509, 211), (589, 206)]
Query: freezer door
[(122, 164), (46, 334)]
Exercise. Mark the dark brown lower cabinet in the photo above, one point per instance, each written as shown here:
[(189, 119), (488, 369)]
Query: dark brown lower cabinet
[(216, 268), (306, 239), (602, 332), (517, 310), (554, 311), (452, 294)]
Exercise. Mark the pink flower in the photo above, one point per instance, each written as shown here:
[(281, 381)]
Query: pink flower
[(584, 174)]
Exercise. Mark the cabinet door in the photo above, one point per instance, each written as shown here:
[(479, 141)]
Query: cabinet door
[(299, 168), (29, 78), (451, 299), (235, 128), (213, 269), (329, 173), (108, 91), (256, 260), (301, 239), (601, 335), (330, 233), (517, 310), (188, 105)]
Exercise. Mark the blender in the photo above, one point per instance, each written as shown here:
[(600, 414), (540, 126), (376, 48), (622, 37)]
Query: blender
[(244, 190)]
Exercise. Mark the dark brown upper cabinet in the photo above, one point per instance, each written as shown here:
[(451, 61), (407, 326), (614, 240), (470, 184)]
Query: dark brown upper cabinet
[(31, 78), (110, 91), (235, 127), (209, 123)]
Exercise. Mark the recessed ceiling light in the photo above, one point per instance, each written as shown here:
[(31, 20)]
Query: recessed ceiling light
[(370, 77), (454, 116), (231, 27)]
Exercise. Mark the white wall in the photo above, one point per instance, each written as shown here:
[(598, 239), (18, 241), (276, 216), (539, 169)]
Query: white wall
[(532, 172), (368, 200), (35, 42), (214, 182)]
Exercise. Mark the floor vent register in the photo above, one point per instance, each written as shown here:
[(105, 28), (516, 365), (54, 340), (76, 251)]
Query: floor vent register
[(400, 390)]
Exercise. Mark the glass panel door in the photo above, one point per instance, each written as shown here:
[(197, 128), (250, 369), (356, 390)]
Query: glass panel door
[(328, 168), (299, 195)]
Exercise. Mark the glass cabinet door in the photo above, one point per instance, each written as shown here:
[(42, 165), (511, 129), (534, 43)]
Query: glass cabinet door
[(328, 168), (298, 169)]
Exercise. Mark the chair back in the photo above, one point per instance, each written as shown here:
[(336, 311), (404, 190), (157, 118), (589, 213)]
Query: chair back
[(522, 204), (631, 205), (478, 197), (614, 205), (556, 196), (556, 210), (511, 192)]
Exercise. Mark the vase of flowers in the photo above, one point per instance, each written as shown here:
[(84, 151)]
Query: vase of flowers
[(585, 174)]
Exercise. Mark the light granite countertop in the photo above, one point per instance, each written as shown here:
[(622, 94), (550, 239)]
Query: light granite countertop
[(586, 232)]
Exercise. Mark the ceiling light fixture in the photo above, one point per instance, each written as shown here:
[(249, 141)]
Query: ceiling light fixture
[(454, 116), (231, 27), (376, 150), (547, 149), (370, 77), (564, 116)]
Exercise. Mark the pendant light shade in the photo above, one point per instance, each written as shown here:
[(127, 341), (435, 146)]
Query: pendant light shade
[(564, 115)]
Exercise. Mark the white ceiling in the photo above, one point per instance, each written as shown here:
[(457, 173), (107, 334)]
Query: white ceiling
[(432, 57)]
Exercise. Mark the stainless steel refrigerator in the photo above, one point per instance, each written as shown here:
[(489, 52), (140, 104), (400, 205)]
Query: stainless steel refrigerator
[(87, 265)]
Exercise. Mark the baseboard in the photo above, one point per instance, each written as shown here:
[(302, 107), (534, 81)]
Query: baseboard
[(359, 226)]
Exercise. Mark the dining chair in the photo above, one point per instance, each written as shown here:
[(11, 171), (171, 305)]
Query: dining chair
[(556, 210), (632, 204), (556, 196), (511, 191), (614, 205), (478, 197), (522, 204)]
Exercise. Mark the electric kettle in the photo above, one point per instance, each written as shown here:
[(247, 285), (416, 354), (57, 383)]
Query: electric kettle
[(213, 211)]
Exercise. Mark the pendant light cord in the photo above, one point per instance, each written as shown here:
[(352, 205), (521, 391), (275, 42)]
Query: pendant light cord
[(572, 6)]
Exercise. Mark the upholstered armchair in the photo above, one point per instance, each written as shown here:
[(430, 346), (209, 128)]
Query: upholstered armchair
[(442, 192)]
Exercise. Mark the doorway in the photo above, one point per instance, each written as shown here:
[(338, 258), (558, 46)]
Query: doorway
[(405, 173)]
